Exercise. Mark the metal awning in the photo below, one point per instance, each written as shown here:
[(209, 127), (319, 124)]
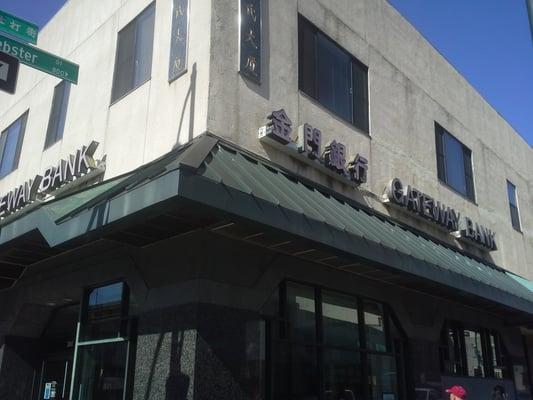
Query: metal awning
[(256, 200)]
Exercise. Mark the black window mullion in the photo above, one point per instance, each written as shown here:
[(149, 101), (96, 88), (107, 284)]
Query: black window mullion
[(469, 176), (362, 344), (20, 139), (441, 158), (360, 96), (319, 342)]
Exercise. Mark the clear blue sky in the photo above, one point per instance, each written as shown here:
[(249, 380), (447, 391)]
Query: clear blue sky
[(488, 41)]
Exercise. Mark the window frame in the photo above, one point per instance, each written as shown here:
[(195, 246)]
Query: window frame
[(116, 97), (56, 128), (362, 126), (466, 155), (20, 139), (127, 336), (459, 348), (515, 207), (280, 337)]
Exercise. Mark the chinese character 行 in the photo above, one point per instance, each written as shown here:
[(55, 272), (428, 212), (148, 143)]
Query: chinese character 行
[(309, 141), (358, 169), (335, 156), (281, 126)]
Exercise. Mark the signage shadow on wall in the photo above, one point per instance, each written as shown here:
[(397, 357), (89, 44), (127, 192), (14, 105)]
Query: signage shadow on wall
[(190, 99)]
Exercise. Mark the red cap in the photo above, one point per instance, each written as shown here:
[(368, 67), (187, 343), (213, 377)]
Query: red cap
[(459, 391)]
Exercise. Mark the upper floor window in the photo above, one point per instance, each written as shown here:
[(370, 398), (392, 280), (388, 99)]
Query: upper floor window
[(332, 76), (454, 163), (474, 352), (133, 64), (10, 145), (58, 114), (513, 206)]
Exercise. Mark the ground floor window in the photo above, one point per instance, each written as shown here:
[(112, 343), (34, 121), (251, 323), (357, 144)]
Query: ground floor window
[(473, 351), (331, 346), (103, 344)]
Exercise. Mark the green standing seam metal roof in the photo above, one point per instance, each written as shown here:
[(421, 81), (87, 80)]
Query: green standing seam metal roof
[(218, 174)]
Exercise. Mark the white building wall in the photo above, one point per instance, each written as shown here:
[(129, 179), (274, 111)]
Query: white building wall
[(410, 87)]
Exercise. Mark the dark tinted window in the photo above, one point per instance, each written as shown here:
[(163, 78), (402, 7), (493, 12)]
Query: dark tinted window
[(58, 114), (133, 65), (454, 163), (513, 206), (332, 76), (10, 145)]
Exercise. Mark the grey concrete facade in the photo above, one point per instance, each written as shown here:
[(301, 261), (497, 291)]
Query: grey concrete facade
[(196, 297), (411, 86)]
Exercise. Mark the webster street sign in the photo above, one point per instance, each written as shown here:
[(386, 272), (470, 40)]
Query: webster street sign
[(18, 28), (40, 59), (433, 210), (76, 165)]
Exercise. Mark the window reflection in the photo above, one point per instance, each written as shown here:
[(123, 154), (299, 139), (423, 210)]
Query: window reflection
[(301, 312), (474, 353), (342, 375), (374, 326), (102, 372), (382, 377), (340, 325)]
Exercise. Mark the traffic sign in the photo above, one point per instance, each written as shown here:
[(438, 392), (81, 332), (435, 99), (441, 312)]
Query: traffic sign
[(18, 28), (9, 69), (40, 59)]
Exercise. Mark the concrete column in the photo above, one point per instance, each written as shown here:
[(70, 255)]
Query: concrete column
[(17, 367)]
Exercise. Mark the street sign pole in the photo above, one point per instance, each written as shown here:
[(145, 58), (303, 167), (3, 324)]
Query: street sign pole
[(40, 59), (18, 28), (9, 68)]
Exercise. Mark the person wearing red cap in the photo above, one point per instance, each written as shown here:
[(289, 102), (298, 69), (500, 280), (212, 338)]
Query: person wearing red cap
[(457, 393)]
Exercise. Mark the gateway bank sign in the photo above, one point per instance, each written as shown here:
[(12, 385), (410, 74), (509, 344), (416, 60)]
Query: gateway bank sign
[(433, 210), (75, 166)]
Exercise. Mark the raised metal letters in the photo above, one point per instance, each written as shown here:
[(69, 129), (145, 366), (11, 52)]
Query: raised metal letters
[(424, 205), (250, 40), (310, 141), (280, 126), (179, 40), (53, 177)]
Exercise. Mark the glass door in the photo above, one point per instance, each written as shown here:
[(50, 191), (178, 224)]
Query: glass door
[(55, 382)]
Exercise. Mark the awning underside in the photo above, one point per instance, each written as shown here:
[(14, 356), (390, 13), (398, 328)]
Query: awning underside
[(212, 184)]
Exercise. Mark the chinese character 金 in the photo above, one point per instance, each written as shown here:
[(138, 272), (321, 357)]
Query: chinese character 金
[(310, 141), (280, 126), (358, 169), (335, 157), (251, 11), (179, 36)]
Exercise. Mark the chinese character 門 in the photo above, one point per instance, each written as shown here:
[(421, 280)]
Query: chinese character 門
[(309, 141)]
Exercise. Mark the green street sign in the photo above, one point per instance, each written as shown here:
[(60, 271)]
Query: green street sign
[(18, 28), (40, 59)]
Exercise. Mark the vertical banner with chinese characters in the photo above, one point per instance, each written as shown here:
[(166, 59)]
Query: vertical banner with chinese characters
[(179, 40), (250, 46)]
